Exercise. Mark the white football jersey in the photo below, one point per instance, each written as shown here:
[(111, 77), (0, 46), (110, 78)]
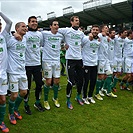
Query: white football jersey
[(33, 51), (119, 44), (4, 36), (111, 50), (51, 46), (3, 52), (128, 48), (73, 38), (16, 56), (103, 49), (90, 51)]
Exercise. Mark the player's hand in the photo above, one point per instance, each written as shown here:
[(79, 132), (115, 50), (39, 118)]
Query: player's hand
[(66, 46), (108, 39), (90, 37), (99, 39), (17, 36)]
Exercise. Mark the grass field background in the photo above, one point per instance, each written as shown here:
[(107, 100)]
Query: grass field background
[(112, 115)]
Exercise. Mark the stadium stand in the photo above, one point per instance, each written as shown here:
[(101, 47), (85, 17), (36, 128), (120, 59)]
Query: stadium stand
[(113, 14)]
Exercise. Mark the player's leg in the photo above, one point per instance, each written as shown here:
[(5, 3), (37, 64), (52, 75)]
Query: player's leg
[(3, 92), (56, 75), (37, 74), (70, 69), (108, 80), (85, 84), (13, 86), (128, 71), (23, 86), (47, 69), (93, 77), (79, 72), (100, 80), (26, 98)]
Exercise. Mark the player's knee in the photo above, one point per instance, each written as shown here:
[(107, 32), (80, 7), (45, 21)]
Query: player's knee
[(23, 93), (2, 99), (56, 82), (71, 83), (101, 77), (48, 82), (129, 76), (39, 87), (13, 96)]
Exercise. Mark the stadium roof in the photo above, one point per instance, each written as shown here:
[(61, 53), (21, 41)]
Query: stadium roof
[(109, 14)]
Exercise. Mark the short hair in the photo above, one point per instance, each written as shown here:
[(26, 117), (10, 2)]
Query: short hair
[(102, 26), (86, 32), (110, 30), (29, 19), (95, 25), (51, 22), (122, 30), (18, 25), (72, 18), (129, 32), (12, 32)]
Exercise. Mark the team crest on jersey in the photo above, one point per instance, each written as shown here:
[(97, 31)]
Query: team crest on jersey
[(86, 71), (93, 51), (46, 73), (68, 67), (1, 49), (1, 40), (127, 69)]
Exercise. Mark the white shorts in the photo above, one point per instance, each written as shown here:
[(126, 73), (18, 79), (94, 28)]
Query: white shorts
[(117, 65), (3, 84), (51, 68), (18, 81), (128, 65), (104, 67), (111, 66)]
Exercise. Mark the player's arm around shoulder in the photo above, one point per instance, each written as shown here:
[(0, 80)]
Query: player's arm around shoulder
[(41, 39), (6, 31), (63, 30), (85, 41), (17, 36)]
